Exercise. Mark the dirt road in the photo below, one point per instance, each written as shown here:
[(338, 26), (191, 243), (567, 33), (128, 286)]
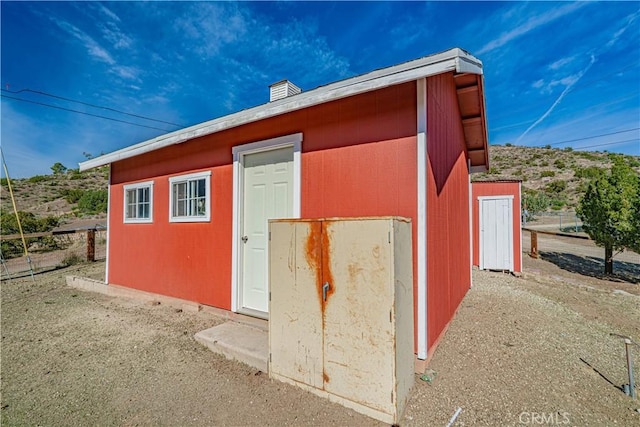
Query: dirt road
[(518, 348)]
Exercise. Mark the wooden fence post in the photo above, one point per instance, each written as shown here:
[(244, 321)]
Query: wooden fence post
[(91, 245), (534, 244)]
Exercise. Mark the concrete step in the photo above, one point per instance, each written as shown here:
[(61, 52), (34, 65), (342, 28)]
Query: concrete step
[(238, 341)]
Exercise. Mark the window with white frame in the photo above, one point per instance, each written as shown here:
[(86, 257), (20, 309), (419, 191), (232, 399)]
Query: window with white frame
[(190, 197), (138, 202)]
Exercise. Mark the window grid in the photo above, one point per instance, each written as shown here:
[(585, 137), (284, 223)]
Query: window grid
[(190, 197), (138, 202)]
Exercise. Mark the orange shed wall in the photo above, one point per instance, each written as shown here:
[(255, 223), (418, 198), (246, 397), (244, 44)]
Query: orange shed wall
[(358, 159), (480, 189), (448, 257)]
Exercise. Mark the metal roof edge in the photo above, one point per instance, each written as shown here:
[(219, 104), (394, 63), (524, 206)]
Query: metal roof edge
[(455, 59)]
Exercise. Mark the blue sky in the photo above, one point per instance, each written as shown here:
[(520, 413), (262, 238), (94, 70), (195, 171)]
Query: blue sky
[(560, 73)]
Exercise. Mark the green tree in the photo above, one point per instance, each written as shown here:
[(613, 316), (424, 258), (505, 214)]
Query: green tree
[(610, 210), (58, 168), (534, 202), (93, 201)]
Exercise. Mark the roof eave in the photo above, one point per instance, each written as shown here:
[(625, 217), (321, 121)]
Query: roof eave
[(456, 60)]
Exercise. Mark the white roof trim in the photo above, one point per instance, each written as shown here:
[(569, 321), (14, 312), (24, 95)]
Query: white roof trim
[(451, 60)]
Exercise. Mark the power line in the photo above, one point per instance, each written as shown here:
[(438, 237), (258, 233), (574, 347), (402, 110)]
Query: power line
[(81, 112), (589, 137), (39, 92), (608, 143)]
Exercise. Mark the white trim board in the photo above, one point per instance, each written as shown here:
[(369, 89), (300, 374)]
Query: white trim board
[(456, 60), (239, 151), (421, 251)]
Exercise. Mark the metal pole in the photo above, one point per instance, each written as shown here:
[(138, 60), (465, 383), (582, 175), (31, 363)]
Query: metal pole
[(534, 244), (632, 385), (15, 209)]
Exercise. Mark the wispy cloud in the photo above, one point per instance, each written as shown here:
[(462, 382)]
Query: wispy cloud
[(108, 12), (93, 48), (570, 82), (210, 26), (556, 65), (616, 36), (529, 25)]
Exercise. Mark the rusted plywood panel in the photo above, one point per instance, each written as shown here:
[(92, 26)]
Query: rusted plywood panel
[(358, 323), (295, 327), (359, 295), (403, 314)]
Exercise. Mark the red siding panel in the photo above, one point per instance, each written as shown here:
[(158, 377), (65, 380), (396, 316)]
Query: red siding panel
[(448, 257), (500, 188), (358, 160)]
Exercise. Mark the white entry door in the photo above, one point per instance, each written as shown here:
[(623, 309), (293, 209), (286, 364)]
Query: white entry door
[(496, 233), (267, 194)]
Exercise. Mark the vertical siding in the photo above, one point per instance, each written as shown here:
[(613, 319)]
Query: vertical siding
[(504, 188), (448, 257), (358, 160)]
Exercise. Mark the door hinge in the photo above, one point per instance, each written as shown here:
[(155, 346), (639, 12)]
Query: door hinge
[(392, 397), (269, 295), (269, 236), (389, 237), (269, 357), (390, 316)]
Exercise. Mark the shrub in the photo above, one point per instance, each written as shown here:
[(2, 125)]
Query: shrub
[(556, 187), (93, 202), (587, 155), (633, 161), (544, 174), (508, 144), (30, 224), (72, 195), (74, 173), (548, 146), (71, 259), (589, 172), (37, 178), (559, 164), (568, 149)]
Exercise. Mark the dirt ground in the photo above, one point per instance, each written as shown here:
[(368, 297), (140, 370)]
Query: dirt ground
[(518, 350)]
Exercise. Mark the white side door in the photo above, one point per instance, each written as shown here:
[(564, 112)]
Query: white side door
[(496, 233), (267, 194)]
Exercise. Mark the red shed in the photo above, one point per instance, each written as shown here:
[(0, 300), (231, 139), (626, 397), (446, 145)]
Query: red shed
[(497, 243), (188, 210)]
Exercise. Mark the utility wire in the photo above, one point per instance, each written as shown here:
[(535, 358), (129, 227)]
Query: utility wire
[(82, 112), (588, 137), (39, 92), (608, 143)]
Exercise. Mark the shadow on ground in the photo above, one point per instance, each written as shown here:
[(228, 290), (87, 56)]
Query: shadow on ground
[(594, 267)]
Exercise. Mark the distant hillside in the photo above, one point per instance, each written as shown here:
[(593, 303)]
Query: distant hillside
[(55, 194), (561, 175)]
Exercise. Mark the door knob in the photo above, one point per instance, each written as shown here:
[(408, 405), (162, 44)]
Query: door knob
[(244, 239)]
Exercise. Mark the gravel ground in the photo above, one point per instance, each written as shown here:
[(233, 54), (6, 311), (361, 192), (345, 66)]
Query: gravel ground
[(520, 350)]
